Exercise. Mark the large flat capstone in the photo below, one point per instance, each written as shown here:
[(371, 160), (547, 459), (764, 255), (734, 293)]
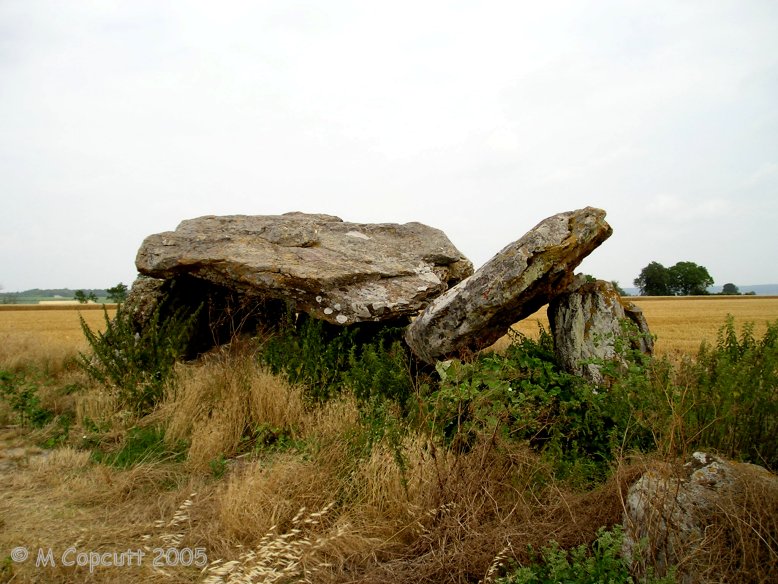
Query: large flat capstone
[(333, 270), (516, 282)]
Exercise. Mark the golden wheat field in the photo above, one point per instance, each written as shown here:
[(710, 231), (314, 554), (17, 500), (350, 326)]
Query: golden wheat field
[(30, 332), (45, 335), (682, 323)]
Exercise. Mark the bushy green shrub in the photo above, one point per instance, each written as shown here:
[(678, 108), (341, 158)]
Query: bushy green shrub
[(733, 388), (325, 358), (381, 368), (21, 394), (524, 395), (308, 352), (137, 365), (600, 563)]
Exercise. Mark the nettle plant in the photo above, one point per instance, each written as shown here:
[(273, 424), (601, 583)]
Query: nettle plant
[(327, 359), (725, 398), (524, 395)]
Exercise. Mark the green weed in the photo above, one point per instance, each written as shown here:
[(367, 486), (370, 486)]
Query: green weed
[(734, 387), (311, 353), (137, 365), (218, 467), (142, 445), (326, 359), (724, 399), (524, 395), (600, 563), (21, 394)]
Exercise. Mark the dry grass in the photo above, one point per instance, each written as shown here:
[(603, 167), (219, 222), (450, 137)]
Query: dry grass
[(439, 517), (312, 508), (225, 395), (58, 499), (279, 557), (742, 542)]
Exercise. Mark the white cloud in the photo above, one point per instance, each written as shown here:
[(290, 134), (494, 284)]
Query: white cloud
[(676, 209), (765, 173)]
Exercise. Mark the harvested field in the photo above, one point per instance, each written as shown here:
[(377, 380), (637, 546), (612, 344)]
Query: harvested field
[(45, 334), (681, 323)]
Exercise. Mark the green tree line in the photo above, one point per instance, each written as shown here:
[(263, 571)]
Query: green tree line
[(682, 279)]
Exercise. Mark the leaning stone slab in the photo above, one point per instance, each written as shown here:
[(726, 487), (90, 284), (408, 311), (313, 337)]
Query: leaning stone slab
[(516, 282), (335, 271), (588, 324)]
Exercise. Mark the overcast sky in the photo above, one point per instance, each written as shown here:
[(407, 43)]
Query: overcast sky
[(120, 119)]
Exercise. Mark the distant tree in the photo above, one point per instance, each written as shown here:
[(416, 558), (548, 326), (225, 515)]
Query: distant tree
[(689, 279), (8, 297), (118, 293), (730, 289), (618, 288), (654, 280), (682, 279), (83, 297)]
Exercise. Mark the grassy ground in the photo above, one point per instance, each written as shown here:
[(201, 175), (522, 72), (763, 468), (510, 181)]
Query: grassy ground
[(307, 508), (250, 480)]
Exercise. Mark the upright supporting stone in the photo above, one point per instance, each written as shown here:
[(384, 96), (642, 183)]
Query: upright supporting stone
[(587, 322)]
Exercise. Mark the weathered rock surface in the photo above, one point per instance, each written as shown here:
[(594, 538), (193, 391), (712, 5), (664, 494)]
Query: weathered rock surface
[(685, 518), (516, 282), (143, 299), (587, 324), (335, 271)]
